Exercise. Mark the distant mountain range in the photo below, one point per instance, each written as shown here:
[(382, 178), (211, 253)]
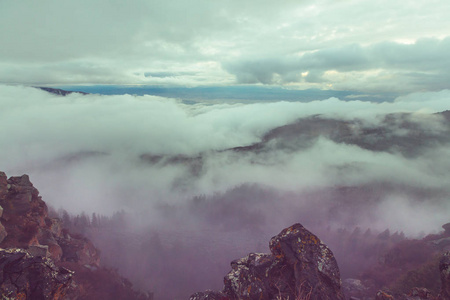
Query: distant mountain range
[(59, 91), (239, 93)]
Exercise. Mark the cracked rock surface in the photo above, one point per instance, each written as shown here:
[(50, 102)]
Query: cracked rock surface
[(299, 266), (23, 276)]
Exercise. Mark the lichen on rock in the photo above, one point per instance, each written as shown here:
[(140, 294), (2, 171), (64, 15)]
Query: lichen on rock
[(299, 266)]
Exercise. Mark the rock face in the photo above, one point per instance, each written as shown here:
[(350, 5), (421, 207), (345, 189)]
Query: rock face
[(24, 276), (40, 260), (300, 266), (26, 225)]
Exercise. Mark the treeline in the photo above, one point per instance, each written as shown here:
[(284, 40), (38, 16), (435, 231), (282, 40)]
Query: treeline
[(83, 222), (192, 242)]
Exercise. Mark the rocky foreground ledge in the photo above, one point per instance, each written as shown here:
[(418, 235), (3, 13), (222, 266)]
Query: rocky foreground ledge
[(41, 260), (301, 267)]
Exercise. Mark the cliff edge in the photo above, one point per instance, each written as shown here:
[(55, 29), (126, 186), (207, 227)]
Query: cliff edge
[(41, 260)]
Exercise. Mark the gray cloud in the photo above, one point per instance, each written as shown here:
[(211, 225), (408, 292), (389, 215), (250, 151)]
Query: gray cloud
[(422, 65), (105, 42)]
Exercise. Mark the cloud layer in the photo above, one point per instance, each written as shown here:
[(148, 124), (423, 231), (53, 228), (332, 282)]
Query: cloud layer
[(106, 153), (421, 65), (357, 45)]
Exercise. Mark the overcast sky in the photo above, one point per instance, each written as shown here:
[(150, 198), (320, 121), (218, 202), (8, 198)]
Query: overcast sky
[(362, 45)]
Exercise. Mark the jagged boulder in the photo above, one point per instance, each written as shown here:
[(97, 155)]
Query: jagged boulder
[(24, 199), (299, 267), (23, 276), (24, 212), (315, 269), (255, 277)]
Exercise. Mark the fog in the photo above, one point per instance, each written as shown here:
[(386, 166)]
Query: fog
[(230, 176)]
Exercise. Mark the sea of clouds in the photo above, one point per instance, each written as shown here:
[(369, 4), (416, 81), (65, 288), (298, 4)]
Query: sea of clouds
[(192, 205), (83, 152)]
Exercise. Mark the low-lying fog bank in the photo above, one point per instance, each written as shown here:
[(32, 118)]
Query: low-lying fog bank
[(201, 185)]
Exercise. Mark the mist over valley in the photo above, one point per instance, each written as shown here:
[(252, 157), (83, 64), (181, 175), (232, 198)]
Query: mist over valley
[(188, 188)]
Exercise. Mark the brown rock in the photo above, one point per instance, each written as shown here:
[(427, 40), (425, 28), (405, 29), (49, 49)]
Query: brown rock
[(46, 237), (299, 267), (383, 296), (76, 248), (24, 212), (315, 268), (23, 276), (55, 226), (24, 198), (38, 251), (255, 277)]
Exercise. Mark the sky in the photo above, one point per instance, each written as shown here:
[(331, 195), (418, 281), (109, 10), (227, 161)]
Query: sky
[(356, 45)]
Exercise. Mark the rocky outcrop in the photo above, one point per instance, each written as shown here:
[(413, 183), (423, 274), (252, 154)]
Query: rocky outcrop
[(24, 276), (24, 213), (299, 266), (41, 260), (27, 225)]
